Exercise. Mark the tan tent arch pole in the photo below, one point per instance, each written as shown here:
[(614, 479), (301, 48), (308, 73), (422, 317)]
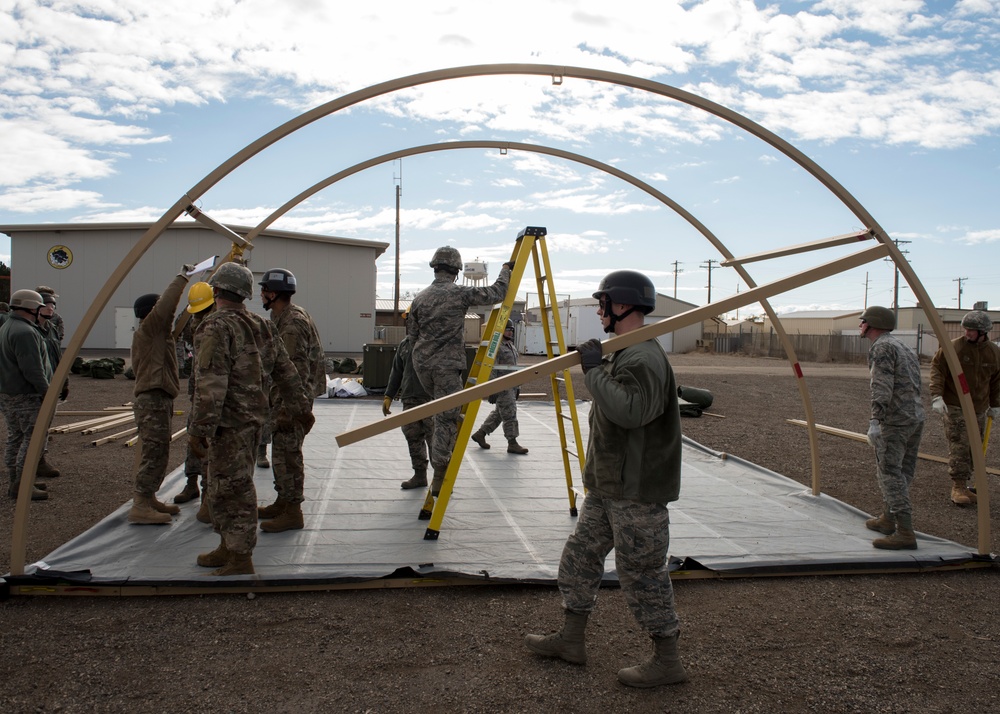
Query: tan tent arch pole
[(558, 73), (593, 163)]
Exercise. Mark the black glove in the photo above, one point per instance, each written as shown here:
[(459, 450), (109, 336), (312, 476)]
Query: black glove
[(590, 354), (492, 399), (306, 421), (65, 392), (509, 265)]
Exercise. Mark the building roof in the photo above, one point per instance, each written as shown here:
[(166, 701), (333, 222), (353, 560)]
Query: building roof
[(379, 246)]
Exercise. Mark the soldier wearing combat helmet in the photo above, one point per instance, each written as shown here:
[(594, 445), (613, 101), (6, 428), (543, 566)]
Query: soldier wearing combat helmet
[(980, 360)]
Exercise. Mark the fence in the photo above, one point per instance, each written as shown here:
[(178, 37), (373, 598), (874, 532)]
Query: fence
[(847, 347)]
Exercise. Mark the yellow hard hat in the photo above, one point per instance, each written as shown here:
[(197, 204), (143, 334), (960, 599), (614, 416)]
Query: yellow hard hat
[(200, 297)]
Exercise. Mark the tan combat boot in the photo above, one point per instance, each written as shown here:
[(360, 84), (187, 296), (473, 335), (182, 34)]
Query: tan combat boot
[(216, 558), (143, 512), (204, 514), (417, 480), (190, 491), (480, 438), (262, 461), (568, 644), (45, 469), (289, 519), (274, 510), (238, 564), (514, 448), (903, 539), (961, 495), (38, 492), (884, 524), (169, 509), (664, 667)]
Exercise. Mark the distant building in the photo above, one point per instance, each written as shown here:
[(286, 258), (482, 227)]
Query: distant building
[(336, 276)]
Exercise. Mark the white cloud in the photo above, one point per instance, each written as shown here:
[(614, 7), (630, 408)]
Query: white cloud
[(976, 237)]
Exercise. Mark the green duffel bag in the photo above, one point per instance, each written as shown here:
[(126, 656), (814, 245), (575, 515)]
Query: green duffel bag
[(102, 369)]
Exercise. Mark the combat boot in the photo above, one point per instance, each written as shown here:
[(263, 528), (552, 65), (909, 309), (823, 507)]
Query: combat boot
[(190, 491), (417, 480), (664, 667), (274, 510), (143, 512), (38, 492), (438, 481), (904, 537), (514, 448), (884, 524), (480, 438), (238, 564), (262, 461), (204, 514), (961, 495), (216, 558), (568, 644), (169, 509), (45, 469), (289, 519)]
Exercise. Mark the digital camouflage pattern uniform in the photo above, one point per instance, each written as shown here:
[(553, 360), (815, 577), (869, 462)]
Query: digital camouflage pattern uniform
[(404, 384), (981, 365), (436, 327), (895, 393), (154, 361), (305, 349), (25, 373), (632, 471), (234, 350), (506, 402)]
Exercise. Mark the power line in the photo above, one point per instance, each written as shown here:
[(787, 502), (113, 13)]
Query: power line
[(709, 264), (676, 271)]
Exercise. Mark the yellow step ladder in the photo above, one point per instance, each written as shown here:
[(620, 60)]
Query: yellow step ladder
[(530, 243)]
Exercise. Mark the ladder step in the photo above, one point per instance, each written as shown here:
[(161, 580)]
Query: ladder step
[(571, 452)]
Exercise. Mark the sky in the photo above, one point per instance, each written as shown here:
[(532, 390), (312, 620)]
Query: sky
[(110, 110)]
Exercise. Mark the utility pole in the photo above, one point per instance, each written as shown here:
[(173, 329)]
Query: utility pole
[(676, 271), (709, 264), (895, 282), (397, 319), (959, 281), (866, 290)]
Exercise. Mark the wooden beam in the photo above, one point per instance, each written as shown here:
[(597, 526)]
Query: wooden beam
[(846, 239)]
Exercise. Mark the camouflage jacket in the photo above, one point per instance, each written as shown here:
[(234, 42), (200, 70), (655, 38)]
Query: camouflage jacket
[(154, 353), (24, 361), (234, 351), (895, 382), (981, 367), (403, 380), (304, 347), (437, 320), (634, 449)]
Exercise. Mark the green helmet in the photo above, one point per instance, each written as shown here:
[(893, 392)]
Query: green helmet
[(447, 258), (881, 318), (26, 300), (977, 320), (629, 287), (235, 278)]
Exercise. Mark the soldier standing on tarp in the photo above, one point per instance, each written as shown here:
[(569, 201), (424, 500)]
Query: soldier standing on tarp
[(436, 327), (506, 401)]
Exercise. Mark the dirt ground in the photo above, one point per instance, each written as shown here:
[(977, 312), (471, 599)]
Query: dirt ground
[(858, 643)]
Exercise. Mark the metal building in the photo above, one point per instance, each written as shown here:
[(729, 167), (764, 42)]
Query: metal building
[(336, 276)]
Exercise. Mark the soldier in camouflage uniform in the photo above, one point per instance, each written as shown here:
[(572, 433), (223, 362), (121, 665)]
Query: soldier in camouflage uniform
[(403, 382), (895, 428), (200, 304), (980, 360), (632, 471), (25, 373), (506, 401), (234, 350), (154, 361), (305, 349), (436, 326), (4, 312), (54, 320)]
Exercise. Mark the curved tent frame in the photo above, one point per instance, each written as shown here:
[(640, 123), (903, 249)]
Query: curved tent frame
[(557, 73)]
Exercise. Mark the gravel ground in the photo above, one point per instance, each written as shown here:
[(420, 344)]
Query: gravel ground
[(858, 643)]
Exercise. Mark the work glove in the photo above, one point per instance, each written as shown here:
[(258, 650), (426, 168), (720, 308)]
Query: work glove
[(64, 393), (306, 421), (186, 269), (590, 354), (874, 433), (386, 402), (993, 413), (198, 446), (938, 405), (509, 265)]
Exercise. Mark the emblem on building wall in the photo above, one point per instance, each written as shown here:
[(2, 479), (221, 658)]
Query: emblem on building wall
[(60, 257)]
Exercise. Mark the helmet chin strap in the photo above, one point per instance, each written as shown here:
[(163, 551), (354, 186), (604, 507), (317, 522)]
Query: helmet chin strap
[(267, 302), (613, 318)]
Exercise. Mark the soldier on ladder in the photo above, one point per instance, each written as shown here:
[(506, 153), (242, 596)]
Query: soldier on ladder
[(436, 326)]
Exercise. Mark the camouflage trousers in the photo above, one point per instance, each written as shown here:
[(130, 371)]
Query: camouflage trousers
[(20, 411), (640, 536), (153, 413), (959, 453), (419, 436), (287, 463), (896, 458), (506, 412), (440, 383), (232, 498), (192, 462)]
